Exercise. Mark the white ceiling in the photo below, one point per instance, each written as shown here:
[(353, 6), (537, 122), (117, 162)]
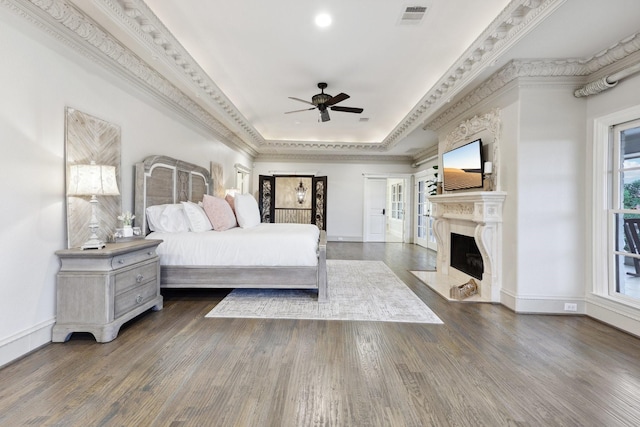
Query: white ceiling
[(258, 53), (261, 52)]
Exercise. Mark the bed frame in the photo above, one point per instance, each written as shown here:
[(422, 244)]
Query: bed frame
[(161, 180)]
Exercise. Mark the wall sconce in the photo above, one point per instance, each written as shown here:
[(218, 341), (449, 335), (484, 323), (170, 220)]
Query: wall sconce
[(300, 193), (93, 180)]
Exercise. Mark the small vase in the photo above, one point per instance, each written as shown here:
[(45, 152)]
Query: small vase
[(127, 231)]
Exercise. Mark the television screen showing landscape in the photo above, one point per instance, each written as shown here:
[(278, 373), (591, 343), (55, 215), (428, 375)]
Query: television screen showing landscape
[(462, 167)]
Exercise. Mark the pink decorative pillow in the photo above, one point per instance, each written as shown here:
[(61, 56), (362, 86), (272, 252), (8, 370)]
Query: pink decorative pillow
[(229, 199), (219, 213)]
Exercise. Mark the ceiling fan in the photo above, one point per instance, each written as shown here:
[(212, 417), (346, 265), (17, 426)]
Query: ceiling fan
[(323, 102)]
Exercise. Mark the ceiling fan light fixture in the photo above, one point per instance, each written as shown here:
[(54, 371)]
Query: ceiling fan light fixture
[(323, 101)]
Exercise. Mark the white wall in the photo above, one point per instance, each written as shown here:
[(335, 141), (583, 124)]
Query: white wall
[(551, 214), (345, 190), (40, 80)]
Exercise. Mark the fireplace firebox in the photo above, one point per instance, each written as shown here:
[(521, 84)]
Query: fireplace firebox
[(465, 255)]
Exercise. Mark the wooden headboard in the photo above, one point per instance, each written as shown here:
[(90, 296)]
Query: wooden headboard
[(164, 180)]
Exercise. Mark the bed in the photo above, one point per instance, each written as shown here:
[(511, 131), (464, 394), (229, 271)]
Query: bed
[(267, 255)]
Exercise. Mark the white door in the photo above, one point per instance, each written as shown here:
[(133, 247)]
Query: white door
[(375, 200), (424, 222)]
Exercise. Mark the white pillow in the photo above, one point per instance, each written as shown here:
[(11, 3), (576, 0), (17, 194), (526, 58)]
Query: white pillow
[(167, 218), (247, 211), (196, 217)]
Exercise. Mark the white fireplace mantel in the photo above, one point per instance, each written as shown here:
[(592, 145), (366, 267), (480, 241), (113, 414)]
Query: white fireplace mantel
[(477, 214)]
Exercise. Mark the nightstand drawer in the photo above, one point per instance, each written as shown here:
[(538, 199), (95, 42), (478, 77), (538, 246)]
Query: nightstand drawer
[(135, 277), (124, 260), (134, 297)]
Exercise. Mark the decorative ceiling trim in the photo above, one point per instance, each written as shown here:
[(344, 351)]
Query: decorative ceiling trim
[(331, 158), (319, 145), (72, 27), (517, 19), (538, 68), (149, 31), (69, 25), (134, 15)]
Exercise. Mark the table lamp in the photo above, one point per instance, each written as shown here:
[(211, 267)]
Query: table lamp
[(93, 180)]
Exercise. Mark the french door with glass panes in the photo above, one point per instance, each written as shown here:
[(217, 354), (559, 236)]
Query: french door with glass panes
[(424, 222), (625, 211)]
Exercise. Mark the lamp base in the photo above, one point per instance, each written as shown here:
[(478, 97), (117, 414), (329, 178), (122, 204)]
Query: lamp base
[(93, 244)]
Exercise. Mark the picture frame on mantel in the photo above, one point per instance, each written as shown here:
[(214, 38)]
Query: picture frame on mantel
[(88, 138)]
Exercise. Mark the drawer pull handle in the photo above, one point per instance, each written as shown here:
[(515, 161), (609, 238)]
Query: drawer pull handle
[(150, 253), (139, 278), (121, 261), (138, 299)]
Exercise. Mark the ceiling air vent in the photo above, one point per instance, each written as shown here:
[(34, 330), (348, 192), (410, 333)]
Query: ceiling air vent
[(413, 15)]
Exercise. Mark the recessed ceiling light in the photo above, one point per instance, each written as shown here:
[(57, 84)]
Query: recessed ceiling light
[(323, 20)]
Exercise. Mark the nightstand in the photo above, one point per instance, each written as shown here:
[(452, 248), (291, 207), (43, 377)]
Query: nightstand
[(98, 290)]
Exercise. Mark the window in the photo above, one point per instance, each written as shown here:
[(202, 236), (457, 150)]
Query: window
[(624, 210), (242, 178), (423, 213), (397, 202)]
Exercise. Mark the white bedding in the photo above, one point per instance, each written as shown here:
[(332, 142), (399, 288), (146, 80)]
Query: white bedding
[(263, 245)]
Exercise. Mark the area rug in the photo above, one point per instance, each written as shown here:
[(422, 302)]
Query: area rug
[(358, 290)]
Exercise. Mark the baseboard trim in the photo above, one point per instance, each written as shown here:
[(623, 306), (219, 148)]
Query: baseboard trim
[(541, 305), (23, 343), (614, 314), (344, 238)]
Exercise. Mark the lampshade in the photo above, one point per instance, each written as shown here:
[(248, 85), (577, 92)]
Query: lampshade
[(92, 180)]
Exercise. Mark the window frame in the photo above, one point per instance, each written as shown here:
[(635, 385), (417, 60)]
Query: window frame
[(603, 274)]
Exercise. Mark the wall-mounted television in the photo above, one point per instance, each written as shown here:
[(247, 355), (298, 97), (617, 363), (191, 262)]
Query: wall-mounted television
[(462, 167)]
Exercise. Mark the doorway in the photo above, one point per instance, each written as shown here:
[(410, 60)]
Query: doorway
[(385, 204), (423, 231), (293, 199)]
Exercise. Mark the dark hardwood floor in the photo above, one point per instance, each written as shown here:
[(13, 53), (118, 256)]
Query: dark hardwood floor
[(486, 366)]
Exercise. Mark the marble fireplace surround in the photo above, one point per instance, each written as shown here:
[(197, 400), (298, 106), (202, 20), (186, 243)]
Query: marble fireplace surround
[(476, 214)]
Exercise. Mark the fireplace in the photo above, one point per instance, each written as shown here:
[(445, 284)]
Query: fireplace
[(465, 255), (468, 229)]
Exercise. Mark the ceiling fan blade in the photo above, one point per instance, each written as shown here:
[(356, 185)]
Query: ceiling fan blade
[(324, 115), (301, 100), (338, 98), (297, 111), (348, 109)]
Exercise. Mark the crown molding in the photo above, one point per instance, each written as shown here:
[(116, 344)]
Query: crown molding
[(72, 27), (147, 29), (331, 158), (75, 29), (615, 55), (515, 21), (321, 145)]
